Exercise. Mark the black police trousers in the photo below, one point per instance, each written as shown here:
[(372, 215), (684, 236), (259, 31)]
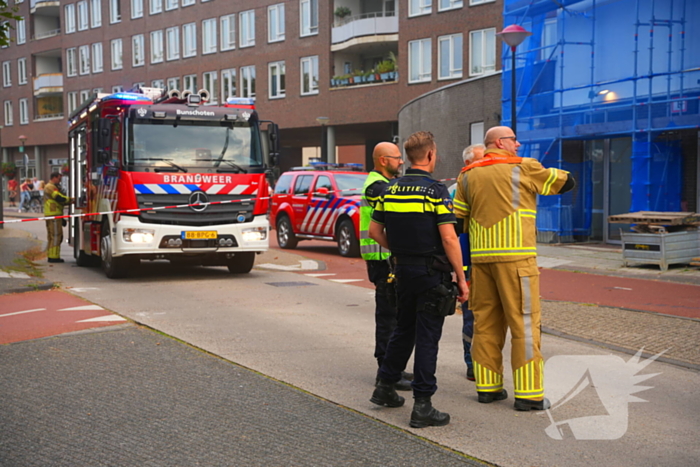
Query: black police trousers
[(384, 312), (422, 330)]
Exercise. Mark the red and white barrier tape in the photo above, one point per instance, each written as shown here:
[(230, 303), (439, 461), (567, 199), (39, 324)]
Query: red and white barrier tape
[(158, 208)]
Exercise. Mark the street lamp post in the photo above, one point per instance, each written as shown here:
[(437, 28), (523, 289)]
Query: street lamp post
[(513, 35), (324, 137)]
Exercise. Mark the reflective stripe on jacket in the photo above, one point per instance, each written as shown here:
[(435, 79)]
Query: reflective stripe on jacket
[(370, 250), (54, 200)]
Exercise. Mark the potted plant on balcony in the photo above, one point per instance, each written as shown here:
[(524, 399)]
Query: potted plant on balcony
[(370, 76), (387, 68), (342, 80), (342, 11)]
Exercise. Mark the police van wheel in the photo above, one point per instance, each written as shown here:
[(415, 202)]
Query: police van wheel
[(241, 263), (114, 268), (285, 235), (347, 240)]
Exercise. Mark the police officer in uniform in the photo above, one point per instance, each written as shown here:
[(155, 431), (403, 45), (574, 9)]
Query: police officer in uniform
[(54, 202), (497, 196), (414, 219), (387, 165)]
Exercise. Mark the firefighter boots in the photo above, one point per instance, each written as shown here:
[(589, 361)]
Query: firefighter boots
[(488, 397), (385, 394), (524, 405), (424, 414)]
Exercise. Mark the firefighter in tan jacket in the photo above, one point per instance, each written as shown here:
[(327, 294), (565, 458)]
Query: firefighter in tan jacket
[(497, 197), (54, 202)]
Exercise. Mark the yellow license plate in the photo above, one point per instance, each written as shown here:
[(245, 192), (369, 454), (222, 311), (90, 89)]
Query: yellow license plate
[(198, 235)]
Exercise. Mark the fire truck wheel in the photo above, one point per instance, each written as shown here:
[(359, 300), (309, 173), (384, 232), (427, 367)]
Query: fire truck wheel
[(285, 235), (114, 268), (347, 240), (242, 263)]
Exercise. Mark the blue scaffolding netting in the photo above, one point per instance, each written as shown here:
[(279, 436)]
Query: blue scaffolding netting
[(597, 70)]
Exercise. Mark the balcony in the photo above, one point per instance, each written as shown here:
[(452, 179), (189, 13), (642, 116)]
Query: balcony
[(365, 27), (47, 7), (46, 34), (47, 84)]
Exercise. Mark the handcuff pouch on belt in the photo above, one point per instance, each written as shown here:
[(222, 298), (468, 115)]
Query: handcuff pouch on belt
[(440, 300), (390, 290)]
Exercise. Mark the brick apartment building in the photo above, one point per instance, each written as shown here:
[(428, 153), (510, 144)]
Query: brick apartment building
[(300, 59)]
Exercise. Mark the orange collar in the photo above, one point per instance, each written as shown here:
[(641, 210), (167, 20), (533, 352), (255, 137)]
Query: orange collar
[(494, 156)]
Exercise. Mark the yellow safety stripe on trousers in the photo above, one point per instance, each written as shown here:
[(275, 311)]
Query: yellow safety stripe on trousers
[(527, 384), (550, 181), (503, 238), (487, 380)]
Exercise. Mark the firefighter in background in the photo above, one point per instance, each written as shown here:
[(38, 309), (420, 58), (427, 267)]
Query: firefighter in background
[(387, 165), (54, 202), (414, 219), (497, 197)]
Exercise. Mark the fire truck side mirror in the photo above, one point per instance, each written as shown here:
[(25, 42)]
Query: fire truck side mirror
[(104, 133)]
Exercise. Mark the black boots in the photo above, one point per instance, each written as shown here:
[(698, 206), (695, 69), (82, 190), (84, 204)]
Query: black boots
[(488, 397), (404, 384), (424, 414), (524, 405), (385, 394)]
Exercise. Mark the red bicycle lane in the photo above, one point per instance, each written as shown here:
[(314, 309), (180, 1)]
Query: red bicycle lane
[(32, 315)]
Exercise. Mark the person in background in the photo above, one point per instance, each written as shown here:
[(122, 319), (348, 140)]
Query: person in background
[(12, 186), (25, 194)]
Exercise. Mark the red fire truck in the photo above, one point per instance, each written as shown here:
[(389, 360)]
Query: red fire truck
[(161, 176)]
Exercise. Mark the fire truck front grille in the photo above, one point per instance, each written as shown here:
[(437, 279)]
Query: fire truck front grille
[(214, 214)]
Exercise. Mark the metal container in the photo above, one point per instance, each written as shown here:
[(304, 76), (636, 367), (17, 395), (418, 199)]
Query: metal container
[(660, 248)]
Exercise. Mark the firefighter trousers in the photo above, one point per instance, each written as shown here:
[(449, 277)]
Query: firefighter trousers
[(507, 295), (54, 237)]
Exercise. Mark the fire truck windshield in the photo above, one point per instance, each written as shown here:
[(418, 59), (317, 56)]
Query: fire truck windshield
[(205, 147)]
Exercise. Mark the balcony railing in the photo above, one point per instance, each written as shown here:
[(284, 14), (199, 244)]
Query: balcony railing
[(373, 78), (48, 83), (45, 34), (48, 117), (366, 24)]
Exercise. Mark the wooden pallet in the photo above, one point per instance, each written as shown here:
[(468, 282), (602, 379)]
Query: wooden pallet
[(659, 218)]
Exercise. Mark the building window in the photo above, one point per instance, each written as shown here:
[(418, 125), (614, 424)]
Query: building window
[(173, 83), (6, 74), (248, 81), (228, 32), (450, 56), (21, 33), (82, 15), (172, 37), (71, 65), (155, 7), (482, 51), (23, 111), (309, 75), (228, 84), (95, 13), (84, 59), (137, 51), (136, 9), (309, 17), (549, 39), (479, 2), (8, 113), (72, 102), (211, 84), (209, 36), (117, 54), (276, 73), (419, 61), (115, 11), (275, 23), (187, 2), (69, 14), (420, 7), (477, 133), (158, 83), (190, 83), (117, 89), (22, 70), (170, 5), (156, 46), (444, 5), (84, 96), (189, 39), (247, 28), (97, 57)]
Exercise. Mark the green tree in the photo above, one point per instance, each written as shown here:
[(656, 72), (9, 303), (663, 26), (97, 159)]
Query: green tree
[(7, 13)]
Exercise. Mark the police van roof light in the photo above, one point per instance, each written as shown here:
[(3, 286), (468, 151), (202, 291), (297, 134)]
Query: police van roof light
[(240, 101), (127, 96)]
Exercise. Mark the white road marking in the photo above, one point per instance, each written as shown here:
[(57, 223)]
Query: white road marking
[(545, 262), (82, 289), (304, 265), (344, 281), (13, 275), (100, 319), (320, 275), (22, 312), (621, 288), (83, 308)]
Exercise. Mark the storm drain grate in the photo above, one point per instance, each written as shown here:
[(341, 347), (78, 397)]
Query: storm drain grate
[(290, 284)]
